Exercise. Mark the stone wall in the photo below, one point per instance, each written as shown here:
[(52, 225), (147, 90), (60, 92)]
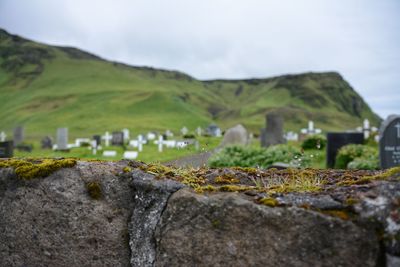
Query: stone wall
[(120, 214)]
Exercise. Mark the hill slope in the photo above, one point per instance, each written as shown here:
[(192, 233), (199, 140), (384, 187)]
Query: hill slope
[(44, 87)]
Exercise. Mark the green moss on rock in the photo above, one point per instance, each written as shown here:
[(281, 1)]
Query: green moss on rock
[(28, 169)]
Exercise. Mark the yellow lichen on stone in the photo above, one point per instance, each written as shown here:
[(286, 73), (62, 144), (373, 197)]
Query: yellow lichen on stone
[(94, 190), (269, 201), (337, 213), (206, 188), (35, 168), (234, 188), (127, 169)]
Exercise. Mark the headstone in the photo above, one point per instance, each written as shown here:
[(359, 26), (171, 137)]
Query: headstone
[(160, 143), (107, 138), (126, 133), (151, 136), (199, 131), (82, 142), (46, 142), (141, 141), (214, 130), (273, 133), (237, 135), (130, 155), (336, 140), (117, 139), (97, 139), (389, 142), (18, 135), (181, 144), (310, 130), (6, 149), (109, 153), (184, 130), (292, 136), (3, 136), (168, 133), (62, 139)]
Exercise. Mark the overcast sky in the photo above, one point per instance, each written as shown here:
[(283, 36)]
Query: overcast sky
[(230, 38)]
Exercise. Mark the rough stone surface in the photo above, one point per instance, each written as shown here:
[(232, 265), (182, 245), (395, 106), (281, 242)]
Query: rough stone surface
[(227, 230), (144, 219), (237, 135), (54, 222), (151, 196)]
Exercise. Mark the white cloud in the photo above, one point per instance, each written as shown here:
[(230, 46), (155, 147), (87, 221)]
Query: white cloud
[(230, 39)]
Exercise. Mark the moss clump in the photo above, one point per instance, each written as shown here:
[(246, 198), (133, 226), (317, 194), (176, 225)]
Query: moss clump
[(94, 190), (127, 169), (392, 172), (226, 179), (269, 201), (205, 188), (234, 188), (351, 201), (32, 168)]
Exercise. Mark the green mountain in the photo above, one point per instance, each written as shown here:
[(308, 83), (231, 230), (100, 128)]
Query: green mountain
[(45, 87)]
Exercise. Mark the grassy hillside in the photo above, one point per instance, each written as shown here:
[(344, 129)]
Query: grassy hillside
[(45, 87)]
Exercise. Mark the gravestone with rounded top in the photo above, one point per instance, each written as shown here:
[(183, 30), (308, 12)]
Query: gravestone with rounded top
[(237, 135), (389, 142), (337, 140)]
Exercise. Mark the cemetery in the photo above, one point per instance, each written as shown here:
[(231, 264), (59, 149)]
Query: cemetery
[(107, 160)]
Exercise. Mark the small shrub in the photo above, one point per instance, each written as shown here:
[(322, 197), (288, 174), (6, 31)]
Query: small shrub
[(189, 136), (364, 157), (314, 142), (239, 156)]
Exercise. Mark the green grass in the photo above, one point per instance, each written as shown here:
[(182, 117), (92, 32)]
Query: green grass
[(149, 154), (51, 89)]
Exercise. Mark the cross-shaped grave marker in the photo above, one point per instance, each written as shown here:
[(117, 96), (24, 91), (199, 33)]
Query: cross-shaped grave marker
[(107, 138), (141, 141)]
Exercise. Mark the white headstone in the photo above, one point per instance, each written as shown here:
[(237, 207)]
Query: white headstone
[(3, 136), (107, 138), (181, 144), (109, 153), (62, 138), (160, 143), (184, 130), (130, 154), (151, 136), (168, 133), (140, 143), (199, 131), (125, 132)]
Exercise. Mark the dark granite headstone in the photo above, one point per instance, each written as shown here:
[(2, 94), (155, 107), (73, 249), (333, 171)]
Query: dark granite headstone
[(273, 134), (336, 140), (18, 135), (46, 142), (389, 142), (117, 139), (97, 138), (6, 149)]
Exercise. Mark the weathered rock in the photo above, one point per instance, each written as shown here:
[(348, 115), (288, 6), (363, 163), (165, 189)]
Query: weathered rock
[(227, 230), (54, 222)]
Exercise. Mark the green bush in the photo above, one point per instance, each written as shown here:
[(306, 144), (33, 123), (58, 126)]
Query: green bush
[(364, 157), (363, 164), (314, 142), (239, 156)]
